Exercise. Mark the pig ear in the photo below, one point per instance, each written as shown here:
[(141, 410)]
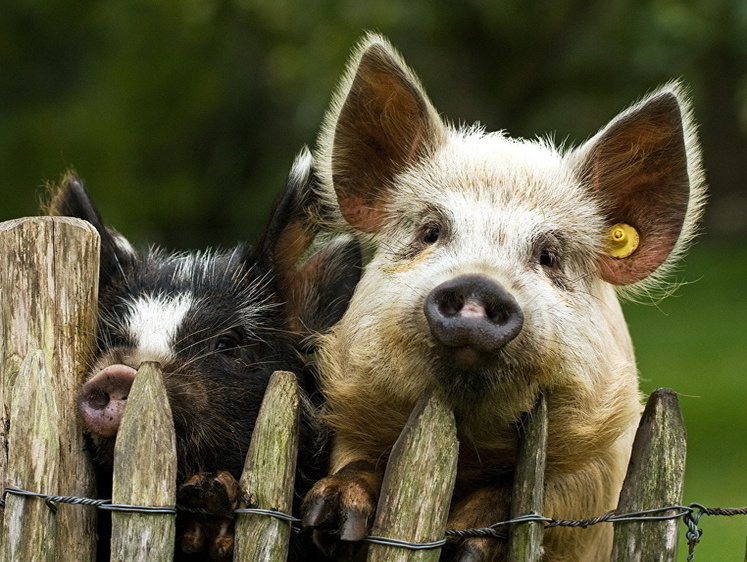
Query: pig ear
[(638, 167), (316, 294), (323, 286), (71, 199), (381, 121), (289, 233)]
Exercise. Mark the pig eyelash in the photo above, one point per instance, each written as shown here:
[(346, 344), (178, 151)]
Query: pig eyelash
[(549, 259)]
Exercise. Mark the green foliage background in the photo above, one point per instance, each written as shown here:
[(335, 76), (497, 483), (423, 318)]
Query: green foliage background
[(183, 116)]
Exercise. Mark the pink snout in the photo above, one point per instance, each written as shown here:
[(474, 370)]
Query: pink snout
[(103, 398)]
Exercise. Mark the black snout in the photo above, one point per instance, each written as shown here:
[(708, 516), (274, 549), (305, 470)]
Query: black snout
[(473, 311)]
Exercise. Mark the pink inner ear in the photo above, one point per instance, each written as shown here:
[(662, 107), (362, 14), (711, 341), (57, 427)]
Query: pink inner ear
[(384, 124), (639, 265), (638, 166)]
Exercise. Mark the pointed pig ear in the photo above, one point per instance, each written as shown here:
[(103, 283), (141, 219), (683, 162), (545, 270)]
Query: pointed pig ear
[(385, 122), (315, 294), (71, 199), (638, 167)]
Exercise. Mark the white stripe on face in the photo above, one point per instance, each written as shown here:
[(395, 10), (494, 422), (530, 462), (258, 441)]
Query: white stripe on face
[(153, 322)]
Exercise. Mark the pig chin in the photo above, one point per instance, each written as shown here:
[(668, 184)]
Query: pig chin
[(466, 374)]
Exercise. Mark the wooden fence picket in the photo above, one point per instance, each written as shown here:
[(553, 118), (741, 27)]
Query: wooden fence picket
[(33, 459), (655, 478), (418, 482), (269, 473), (525, 540), (145, 472), (48, 301)]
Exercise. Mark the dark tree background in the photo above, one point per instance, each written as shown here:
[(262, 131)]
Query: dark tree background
[(183, 116)]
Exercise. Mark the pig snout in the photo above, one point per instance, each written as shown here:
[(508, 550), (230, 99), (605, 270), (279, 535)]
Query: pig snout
[(102, 399), (473, 314)]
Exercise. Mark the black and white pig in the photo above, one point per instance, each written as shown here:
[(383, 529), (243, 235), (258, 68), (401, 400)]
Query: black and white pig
[(495, 268), (220, 323)]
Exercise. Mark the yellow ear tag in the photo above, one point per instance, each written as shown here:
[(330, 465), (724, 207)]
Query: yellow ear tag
[(622, 240)]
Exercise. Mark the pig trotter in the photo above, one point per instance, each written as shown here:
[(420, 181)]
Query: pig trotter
[(210, 535), (341, 507)]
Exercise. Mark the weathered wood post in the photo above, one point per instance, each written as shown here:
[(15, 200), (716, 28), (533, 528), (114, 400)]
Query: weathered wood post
[(418, 483), (48, 299), (655, 479), (525, 540), (269, 473), (32, 462), (145, 472)]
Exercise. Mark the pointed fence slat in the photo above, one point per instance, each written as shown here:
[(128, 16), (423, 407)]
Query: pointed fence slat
[(655, 479), (525, 540), (32, 463), (145, 472), (269, 473), (49, 290), (418, 483)]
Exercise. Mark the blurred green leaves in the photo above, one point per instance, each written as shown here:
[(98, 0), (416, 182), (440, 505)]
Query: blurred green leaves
[(184, 116)]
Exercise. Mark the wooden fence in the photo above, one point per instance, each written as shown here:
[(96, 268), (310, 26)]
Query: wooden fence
[(48, 280)]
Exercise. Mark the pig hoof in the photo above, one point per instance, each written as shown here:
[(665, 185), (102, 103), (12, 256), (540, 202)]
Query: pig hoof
[(210, 535), (340, 508)]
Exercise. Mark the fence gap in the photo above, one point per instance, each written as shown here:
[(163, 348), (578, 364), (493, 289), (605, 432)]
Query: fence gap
[(49, 291), (269, 473), (655, 478), (145, 472), (525, 540), (418, 483)]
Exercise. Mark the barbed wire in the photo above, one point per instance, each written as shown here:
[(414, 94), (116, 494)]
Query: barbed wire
[(690, 515)]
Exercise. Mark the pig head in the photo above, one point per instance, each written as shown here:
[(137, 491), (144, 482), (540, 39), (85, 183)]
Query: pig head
[(494, 272)]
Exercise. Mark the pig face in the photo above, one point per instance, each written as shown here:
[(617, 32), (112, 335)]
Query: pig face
[(214, 323), (477, 284)]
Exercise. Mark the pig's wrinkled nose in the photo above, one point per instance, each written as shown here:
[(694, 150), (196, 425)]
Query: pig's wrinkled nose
[(473, 311), (103, 398)]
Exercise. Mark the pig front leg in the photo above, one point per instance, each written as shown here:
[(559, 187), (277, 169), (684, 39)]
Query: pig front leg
[(208, 537), (481, 508), (341, 508), (589, 491)]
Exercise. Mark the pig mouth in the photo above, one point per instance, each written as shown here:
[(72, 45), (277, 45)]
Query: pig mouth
[(467, 374)]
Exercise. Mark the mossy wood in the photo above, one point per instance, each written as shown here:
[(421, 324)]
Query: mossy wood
[(269, 473), (29, 525), (525, 540), (418, 483), (49, 291), (145, 472), (655, 479)]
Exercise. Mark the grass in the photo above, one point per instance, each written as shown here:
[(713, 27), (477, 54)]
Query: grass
[(695, 342)]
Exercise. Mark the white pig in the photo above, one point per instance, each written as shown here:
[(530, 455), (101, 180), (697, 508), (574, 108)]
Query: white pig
[(495, 271)]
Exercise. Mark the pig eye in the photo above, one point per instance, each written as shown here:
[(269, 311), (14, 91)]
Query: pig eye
[(430, 234), (549, 259), (227, 343)]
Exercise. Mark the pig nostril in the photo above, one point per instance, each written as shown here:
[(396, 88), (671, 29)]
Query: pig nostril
[(450, 304), (498, 314), (98, 399)]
